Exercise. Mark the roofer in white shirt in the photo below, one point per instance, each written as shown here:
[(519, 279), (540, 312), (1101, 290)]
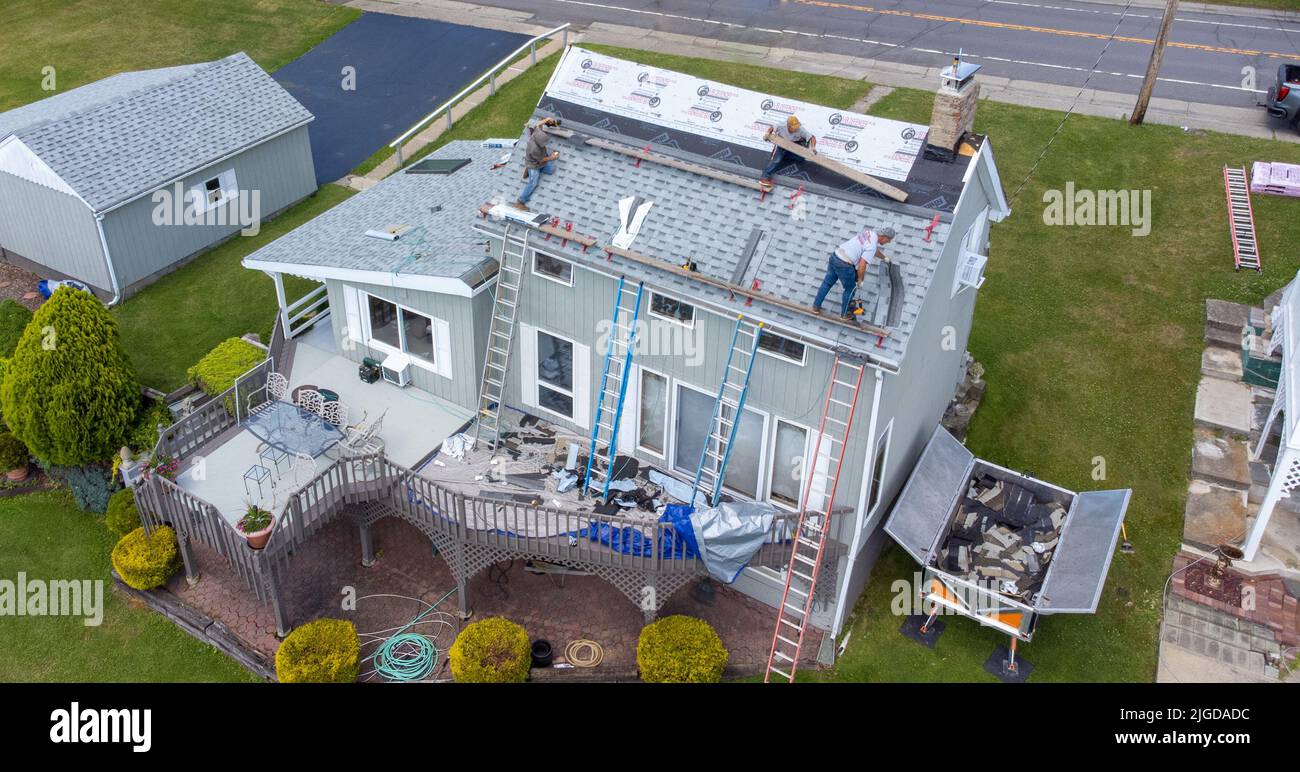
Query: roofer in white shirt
[(848, 265)]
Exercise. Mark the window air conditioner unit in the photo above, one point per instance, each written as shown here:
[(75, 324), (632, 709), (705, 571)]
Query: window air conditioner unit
[(397, 369), (971, 271)]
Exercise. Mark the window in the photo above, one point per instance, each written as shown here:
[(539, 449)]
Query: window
[(394, 327), (555, 374), (652, 429), (878, 469), (694, 416), (214, 191), (553, 268), (672, 309), (782, 347), (790, 451)]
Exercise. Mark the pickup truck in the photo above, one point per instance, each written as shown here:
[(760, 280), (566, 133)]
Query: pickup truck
[(1284, 96)]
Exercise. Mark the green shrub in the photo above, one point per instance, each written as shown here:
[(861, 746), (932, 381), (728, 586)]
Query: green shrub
[(122, 517), (144, 434), (490, 651), (70, 393), (219, 368), (680, 649), (13, 453), (14, 318), (327, 651), (145, 561), (91, 485)]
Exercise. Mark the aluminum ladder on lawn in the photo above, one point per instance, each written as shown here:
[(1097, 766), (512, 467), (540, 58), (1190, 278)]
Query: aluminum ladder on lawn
[(613, 384), (814, 526), (731, 395), (501, 333), (1241, 219)]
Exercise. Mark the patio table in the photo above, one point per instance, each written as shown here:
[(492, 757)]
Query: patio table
[(292, 429)]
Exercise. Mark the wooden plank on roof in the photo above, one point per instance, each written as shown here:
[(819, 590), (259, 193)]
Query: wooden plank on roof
[(686, 166), (864, 180), (736, 289)]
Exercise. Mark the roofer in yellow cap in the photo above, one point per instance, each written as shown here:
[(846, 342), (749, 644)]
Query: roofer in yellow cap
[(792, 131)]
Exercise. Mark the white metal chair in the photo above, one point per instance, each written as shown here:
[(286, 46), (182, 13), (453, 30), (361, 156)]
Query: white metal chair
[(359, 440), (303, 468), (311, 401), (336, 414), (273, 390)]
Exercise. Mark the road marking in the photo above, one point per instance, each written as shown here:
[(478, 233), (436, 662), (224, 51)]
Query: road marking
[(886, 44), (1145, 16), (1042, 30)]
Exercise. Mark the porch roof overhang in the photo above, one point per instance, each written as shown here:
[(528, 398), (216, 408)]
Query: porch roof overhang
[(443, 285)]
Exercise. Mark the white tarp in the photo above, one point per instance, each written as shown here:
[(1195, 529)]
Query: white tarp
[(877, 146), (728, 536)]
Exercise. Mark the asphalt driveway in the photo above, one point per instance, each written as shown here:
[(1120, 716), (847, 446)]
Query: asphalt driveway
[(371, 80)]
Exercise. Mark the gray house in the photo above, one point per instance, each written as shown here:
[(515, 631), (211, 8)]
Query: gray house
[(118, 181), (411, 267)]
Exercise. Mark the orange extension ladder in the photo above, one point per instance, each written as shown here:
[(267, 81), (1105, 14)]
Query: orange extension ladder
[(810, 536)]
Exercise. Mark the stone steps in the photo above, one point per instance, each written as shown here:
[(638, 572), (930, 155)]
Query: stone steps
[(1237, 643)]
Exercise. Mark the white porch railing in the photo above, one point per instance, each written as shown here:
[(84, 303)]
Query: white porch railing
[(490, 77)]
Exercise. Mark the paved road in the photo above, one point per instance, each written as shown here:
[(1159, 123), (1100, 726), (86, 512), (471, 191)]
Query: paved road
[(1053, 41)]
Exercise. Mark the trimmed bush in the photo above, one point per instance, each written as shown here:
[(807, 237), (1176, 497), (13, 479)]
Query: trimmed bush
[(145, 561), (122, 517), (327, 651), (219, 368), (14, 318), (144, 434), (91, 485), (70, 393), (13, 453), (680, 649), (491, 651)]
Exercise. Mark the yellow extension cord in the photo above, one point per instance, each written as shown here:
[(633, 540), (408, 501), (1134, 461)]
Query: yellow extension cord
[(583, 653)]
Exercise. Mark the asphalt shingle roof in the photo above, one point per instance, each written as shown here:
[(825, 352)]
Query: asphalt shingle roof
[(127, 134), (442, 206), (711, 222)]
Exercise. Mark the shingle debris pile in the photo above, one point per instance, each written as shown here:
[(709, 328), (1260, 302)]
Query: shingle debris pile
[(1004, 535)]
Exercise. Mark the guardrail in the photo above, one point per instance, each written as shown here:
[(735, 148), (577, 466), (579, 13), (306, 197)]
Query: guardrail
[(302, 314), (490, 77)]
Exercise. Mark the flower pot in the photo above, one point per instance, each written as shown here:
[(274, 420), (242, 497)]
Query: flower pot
[(17, 475), (258, 539)]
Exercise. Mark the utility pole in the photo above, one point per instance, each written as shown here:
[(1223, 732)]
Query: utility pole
[(1153, 67)]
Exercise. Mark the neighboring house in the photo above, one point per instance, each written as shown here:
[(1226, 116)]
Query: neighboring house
[(118, 181), (427, 293)]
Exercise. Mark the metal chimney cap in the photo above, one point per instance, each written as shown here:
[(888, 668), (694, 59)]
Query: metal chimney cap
[(959, 72)]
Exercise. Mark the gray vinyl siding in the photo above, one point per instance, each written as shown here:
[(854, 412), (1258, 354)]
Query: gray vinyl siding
[(280, 169), (51, 228), (778, 388), (462, 315)]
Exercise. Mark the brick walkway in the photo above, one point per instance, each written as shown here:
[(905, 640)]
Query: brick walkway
[(558, 609)]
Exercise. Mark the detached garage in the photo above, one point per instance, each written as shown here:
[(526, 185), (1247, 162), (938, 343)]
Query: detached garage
[(118, 181)]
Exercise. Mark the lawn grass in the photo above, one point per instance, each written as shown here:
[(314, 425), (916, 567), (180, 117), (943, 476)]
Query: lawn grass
[(85, 40), (45, 536), (170, 324)]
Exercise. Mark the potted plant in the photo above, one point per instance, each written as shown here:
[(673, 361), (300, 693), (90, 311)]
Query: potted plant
[(14, 457), (163, 465), (255, 525)]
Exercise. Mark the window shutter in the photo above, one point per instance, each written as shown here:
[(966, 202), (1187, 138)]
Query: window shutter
[(582, 385), (229, 185), (442, 345), (627, 426), (528, 365), (352, 308), (821, 475)]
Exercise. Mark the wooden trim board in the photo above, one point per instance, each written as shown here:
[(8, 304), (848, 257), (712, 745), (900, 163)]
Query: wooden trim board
[(837, 167)]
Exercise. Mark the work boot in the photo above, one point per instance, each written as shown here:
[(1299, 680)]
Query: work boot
[(850, 318), (521, 206), (817, 310), (768, 185)]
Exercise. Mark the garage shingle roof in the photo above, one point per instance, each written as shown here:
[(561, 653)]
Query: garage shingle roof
[(128, 134)]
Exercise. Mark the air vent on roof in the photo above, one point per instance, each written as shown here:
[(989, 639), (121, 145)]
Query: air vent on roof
[(437, 166)]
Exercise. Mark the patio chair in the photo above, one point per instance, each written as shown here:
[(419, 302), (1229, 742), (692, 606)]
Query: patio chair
[(336, 414), (303, 468), (359, 440), (311, 401), (273, 390)]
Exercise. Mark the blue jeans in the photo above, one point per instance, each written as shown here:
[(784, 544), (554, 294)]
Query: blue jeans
[(778, 158), (845, 274), (534, 177)]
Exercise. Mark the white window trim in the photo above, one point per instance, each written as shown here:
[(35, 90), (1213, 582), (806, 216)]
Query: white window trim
[(549, 277), (782, 357), (887, 437), (229, 191), (668, 413), (580, 393), (441, 334), (650, 308), (808, 433), (762, 451)]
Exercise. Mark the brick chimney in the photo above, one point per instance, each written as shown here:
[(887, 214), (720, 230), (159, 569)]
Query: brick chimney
[(954, 105)]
